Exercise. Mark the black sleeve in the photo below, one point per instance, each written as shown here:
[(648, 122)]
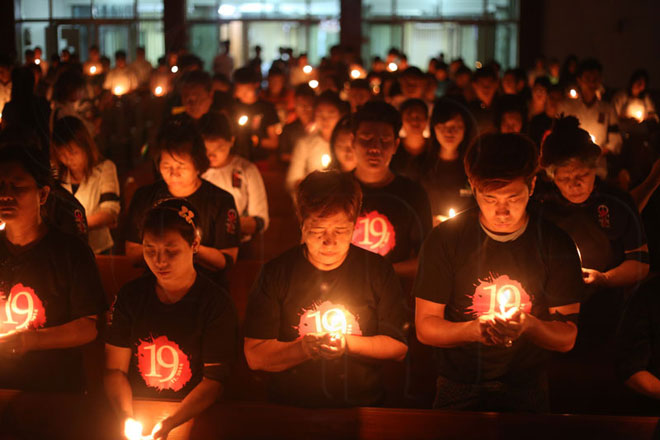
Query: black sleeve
[(435, 274), (118, 332), (393, 313), (136, 211), (564, 284), (262, 318), (422, 208), (227, 224), (270, 117), (634, 236), (220, 339), (634, 343), (86, 295)]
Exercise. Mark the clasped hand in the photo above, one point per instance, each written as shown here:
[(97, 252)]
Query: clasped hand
[(502, 331), (324, 345)]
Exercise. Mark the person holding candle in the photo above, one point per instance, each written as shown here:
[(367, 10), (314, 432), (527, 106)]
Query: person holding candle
[(443, 175), (173, 333), (408, 160), (234, 174), (304, 99), (120, 80), (50, 289), (308, 153), (635, 102), (395, 215), (324, 315), (92, 179), (343, 156), (602, 220), (93, 66), (498, 287), (180, 157)]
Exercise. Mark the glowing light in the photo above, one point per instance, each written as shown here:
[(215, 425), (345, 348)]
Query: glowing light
[(2, 225), (92, 70), (392, 67), (227, 10), (636, 111), (118, 90), (502, 299), (478, 64), (452, 213), (174, 69), (307, 69), (313, 83), (579, 254), (325, 160), (156, 429), (573, 94), (37, 61), (355, 73), (242, 120), (593, 138), (132, 429), (158, 91)]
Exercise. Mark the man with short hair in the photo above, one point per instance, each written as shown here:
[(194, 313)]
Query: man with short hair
[(497, 288), (121, 79)]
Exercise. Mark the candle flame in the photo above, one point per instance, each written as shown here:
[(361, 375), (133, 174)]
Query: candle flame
[(37, 61), (242, 120), (355, 73), (2, 225), (325, 160), (118, 90), (392, 67), (478, 64), (639, 115), (452, 213), (92, 70), (174, 69), (593, 138), (132, 429), (503, 298), (573, 93), (158, 91), (307, 69), (313, 83)]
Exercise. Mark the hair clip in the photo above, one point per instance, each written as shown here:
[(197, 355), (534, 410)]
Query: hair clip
[(187, 215)]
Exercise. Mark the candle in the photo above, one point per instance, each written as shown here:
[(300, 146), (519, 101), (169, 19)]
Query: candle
[(92, 70), (392, 67), (132, 429), (37, 61), (158, 91), (313, 83), (593, 138), (2, 225), (307, 69), (118, 90), (325, 160), (573, 93), (452, 213), (636, 111), (242, 120), (174, 69), (355, 73)]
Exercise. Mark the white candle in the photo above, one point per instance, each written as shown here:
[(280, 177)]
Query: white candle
[(175, 69), (242, 120), (158, 91), (92, 70), (307, 69)]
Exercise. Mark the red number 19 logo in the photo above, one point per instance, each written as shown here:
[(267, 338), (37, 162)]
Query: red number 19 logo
[(162, 364), (21, 310)]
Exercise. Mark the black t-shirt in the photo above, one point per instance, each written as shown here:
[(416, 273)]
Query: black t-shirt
[(64, 212), (261, 115), (447, 186), (394, 219), (405, 164), (52, 282), (291, 134), (291, 298), (170, 343), (219, 222), (462, 267), (538, 126), (604, 227)]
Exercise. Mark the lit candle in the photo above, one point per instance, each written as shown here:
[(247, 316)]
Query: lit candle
[(636, 111), (325, 160), (92, 69), (478, 64), (307, 69), (392, 67), (37, 61), (158, 91), (118, 90), (132, 429), (452, 213), (573, 93), (242, 120), (2, 225), (313, 83), (355, 73), (174, 69), (593, 138)]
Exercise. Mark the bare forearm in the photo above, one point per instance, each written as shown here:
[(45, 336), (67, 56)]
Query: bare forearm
[(72, 334), (248, 225), (216, 259), (201, 397), (119, 392), (274, 356), (552, 335), (438, 332), (101, 218), (376, 347), (627, 273), (645, 383)]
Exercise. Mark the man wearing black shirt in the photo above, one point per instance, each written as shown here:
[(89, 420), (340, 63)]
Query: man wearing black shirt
[(497, 288), (395, 215)]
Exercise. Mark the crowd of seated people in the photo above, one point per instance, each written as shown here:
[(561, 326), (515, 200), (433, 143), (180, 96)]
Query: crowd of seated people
[(496, 220)]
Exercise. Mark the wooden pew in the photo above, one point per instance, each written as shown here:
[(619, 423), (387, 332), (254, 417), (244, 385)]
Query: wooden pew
[(77, 417)]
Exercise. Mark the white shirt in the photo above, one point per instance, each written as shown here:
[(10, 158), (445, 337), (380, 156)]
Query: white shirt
[(99, 191), (242, 179), (142, 70), (121, 77), (307, 156), (596, 119)]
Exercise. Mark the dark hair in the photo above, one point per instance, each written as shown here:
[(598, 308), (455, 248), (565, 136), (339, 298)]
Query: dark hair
[(636, 76), (245, 75), (344, 125), (511, 104), (494, 160), (567, 141), (196, 78), (484, 72), (588, 65), (360, 83), (543, 81), (180, 136), (378, 111), (444, 110), (413, 71), (189, 61), (71, 129), (120, 55), (304, 90), (67, 84), (172, 214), (324, 193), (214, 125), (332, 98), (518, 74), (412, 103), (16, 145)]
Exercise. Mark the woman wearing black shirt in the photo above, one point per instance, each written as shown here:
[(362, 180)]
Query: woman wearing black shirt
[(173, 332)]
